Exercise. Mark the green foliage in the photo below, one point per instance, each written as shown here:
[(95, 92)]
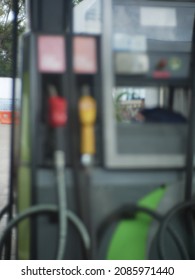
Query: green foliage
[(6, 26), (6, 15)]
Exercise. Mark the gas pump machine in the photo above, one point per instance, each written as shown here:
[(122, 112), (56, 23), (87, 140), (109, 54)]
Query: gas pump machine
[(60, 77), (105, 162)]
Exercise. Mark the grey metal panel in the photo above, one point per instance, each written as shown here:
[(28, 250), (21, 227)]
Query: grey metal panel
[(109, 190), (112, 189), (150, 139), (107, 80), (47, 226), (46, 16), (169, 3), (47, 232)]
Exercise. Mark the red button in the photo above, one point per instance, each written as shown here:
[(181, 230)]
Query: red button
[(161, 64)]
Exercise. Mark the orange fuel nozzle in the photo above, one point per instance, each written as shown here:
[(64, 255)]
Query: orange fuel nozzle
[(87, 116)]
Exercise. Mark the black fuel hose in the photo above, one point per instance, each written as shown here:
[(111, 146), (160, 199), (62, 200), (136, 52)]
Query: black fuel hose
[(4, 211), (129, 212), (164, 225)]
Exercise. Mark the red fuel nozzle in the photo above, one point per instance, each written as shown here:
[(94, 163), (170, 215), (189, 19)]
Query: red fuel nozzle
[(57, 109)]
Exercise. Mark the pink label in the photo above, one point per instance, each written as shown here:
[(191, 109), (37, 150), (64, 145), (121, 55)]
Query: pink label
[(84, 61), (51, 54), (161, 74)]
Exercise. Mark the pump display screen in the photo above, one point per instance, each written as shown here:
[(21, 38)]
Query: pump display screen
[(153, 38), (151, 25)]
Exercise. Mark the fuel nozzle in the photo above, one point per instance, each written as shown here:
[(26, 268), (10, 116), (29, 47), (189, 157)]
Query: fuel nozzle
[(57, 108), (87, 116)]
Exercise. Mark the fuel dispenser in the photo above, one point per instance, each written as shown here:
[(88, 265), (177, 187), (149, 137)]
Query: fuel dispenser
[(91, 185), (47, 130), (142, 52), (61, 81)]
